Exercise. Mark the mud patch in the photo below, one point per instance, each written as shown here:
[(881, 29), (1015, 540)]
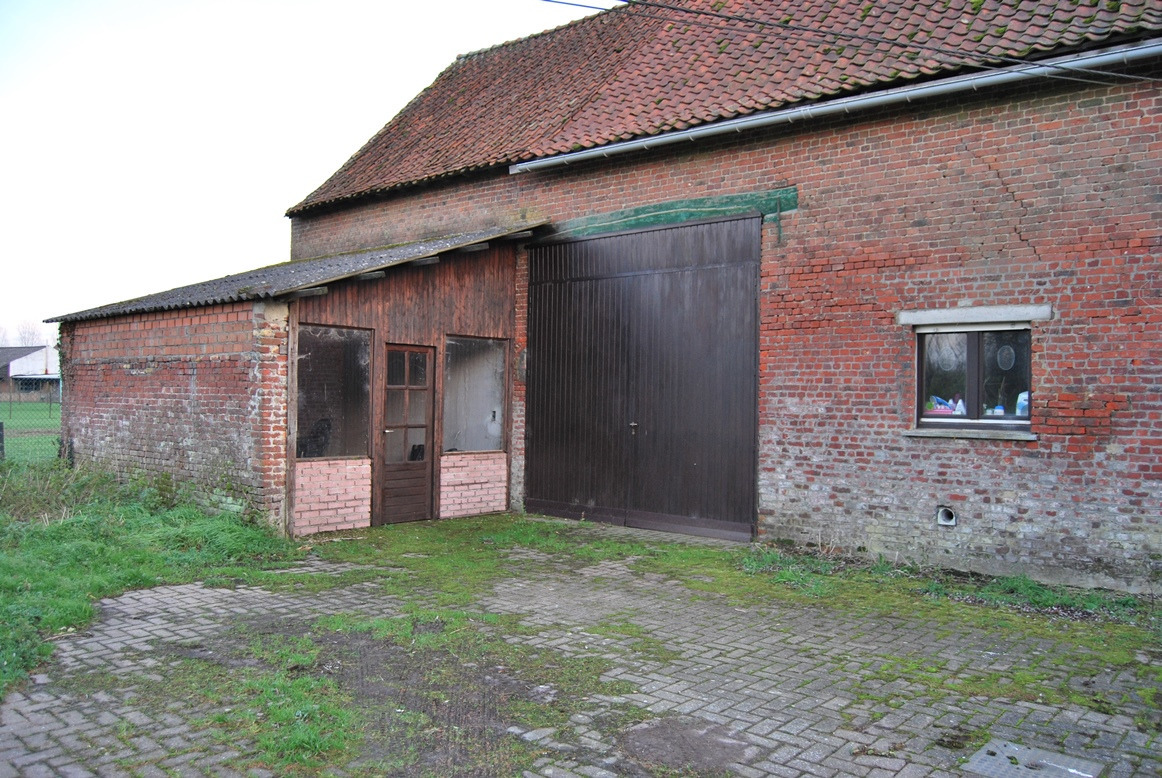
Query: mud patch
[(686, 743), (424, 711)]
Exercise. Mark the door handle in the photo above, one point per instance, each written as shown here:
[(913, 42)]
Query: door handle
[(633, 428), (387, 431)]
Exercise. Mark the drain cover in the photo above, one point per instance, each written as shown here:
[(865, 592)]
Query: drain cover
[(1002, 759)]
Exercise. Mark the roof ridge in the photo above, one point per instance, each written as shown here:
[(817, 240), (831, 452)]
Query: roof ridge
[(543, 33), (637, 71)]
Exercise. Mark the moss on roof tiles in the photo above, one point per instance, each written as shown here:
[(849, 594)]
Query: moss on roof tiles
[(640, 70)]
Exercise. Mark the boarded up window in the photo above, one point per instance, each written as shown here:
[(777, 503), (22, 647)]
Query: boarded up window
[(334, 389), (474, 395)]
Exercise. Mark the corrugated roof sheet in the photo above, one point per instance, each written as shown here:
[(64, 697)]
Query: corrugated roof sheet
[(650, 68), (289, 277)]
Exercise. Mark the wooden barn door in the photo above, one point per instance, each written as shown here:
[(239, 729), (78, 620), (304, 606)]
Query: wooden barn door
[(403, 481), (642, 378)]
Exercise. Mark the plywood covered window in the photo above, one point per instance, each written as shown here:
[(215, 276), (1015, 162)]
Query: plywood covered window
[(334, 391), (474, 370)]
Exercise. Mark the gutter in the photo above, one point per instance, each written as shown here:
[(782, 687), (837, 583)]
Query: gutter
[(1124, 55)]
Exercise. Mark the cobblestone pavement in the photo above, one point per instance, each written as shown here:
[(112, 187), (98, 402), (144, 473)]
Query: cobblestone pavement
[(776, 690)]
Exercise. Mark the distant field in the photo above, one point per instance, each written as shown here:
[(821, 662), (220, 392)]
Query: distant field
[(31, 430)]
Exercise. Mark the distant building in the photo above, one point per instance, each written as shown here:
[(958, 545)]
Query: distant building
[(29, 373)]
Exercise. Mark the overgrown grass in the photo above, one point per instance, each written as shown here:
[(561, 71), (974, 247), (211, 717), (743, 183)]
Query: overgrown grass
[(30, 416), (70, 538), (31, 430)]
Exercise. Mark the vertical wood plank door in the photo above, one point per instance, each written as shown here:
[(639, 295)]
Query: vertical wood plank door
[(643, 378), (404, 462)]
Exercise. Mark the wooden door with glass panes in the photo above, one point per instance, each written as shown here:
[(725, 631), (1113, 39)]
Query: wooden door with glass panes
[(404, 482)]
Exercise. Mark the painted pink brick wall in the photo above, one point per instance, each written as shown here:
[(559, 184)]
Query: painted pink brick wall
[(472, 484), (331, 494)]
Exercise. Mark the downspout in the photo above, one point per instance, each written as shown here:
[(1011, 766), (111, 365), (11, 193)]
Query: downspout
[(1124, 55)]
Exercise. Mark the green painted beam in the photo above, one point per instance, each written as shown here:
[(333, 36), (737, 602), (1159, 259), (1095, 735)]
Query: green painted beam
[(770, 204)]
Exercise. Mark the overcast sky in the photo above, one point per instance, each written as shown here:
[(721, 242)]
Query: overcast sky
[(147, 144)]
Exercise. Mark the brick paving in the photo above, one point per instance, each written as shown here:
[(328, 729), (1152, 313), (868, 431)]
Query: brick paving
[(777, 690)]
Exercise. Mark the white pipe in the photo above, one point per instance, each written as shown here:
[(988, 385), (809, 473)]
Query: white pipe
[(1123, 55)]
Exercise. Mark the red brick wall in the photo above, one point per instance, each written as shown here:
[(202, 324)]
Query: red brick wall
[(1051, 196), (332, 494), (473, 483), (199, 394)]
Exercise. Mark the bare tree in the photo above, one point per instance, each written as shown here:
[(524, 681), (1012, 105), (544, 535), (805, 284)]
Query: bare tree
[(3, 336), (29, 333)]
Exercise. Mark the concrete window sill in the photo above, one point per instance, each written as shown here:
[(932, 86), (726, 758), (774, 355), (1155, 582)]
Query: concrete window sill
[(971, 434)]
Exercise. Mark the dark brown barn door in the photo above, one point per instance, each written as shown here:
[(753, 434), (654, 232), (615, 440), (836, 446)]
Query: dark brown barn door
[(404, 472), (642, 378)]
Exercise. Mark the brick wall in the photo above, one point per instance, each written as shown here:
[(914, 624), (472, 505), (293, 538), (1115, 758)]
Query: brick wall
[(199, 394), (1050, 196), (473, 483), (332, 494)]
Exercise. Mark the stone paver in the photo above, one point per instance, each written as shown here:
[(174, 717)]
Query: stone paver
[(790, 691)]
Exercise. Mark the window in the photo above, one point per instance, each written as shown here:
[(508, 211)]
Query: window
[(474, 370), (334, 389), (975, 376), (974, 366)]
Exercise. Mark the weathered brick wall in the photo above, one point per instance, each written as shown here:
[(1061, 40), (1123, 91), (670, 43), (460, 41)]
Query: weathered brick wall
[(199, 394), (1050, 196), (331, 494), (473, 483)]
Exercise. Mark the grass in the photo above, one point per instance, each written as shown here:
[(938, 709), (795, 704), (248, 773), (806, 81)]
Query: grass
[(22, 416), (70, 538), (31, 430)]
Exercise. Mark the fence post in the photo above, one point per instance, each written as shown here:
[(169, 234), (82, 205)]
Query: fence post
[(1, 441)]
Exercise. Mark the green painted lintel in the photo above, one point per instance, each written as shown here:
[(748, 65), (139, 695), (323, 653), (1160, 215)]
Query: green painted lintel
[(770, 204)]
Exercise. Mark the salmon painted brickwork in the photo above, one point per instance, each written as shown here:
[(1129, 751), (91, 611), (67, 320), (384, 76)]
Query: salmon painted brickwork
[(1051, 196), (332, 494), (472, 484), (198, 394)]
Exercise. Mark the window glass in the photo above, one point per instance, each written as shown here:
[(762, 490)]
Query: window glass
[(976, 376), (1005, 361), (418, 406), (334, 389), (395, 368), (945, 357), (474, 384), (418, 373), (417, 439)]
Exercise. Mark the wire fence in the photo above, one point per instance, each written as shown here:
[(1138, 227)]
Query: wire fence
[(30, 419)]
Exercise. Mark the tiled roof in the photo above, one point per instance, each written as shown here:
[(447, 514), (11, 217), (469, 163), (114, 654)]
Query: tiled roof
[(288, 277), (652, 67)]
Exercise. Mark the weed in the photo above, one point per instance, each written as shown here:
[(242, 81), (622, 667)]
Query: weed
[(644, 645), (99, 544)]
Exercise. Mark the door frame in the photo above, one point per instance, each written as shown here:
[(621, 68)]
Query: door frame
[(381, 466)]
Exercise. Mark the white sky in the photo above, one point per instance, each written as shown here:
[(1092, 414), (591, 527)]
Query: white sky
[(148, 144)]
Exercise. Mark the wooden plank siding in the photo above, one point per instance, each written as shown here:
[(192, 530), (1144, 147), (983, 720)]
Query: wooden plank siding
[(643, 378), (468, 294)]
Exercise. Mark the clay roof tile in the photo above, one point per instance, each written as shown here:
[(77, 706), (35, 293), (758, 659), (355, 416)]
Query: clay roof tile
[(661, 65)]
